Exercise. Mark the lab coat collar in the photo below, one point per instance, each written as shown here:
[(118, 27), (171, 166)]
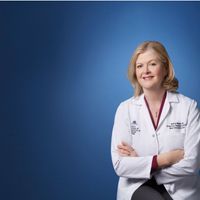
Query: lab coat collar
[(138, 100), (172, 97)]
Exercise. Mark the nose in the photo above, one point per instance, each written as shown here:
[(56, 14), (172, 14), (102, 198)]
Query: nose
[(146, 69)]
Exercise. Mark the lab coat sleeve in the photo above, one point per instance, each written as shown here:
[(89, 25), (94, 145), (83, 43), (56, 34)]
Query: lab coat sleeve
[(129, 167), (189, 166)]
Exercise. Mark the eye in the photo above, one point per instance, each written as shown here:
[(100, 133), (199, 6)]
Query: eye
[(153, 64), (138, 66)]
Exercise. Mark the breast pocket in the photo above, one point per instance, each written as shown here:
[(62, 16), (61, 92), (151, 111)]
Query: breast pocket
[(174, 139)]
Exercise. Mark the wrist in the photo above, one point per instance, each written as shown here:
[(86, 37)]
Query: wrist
[(163, 160)]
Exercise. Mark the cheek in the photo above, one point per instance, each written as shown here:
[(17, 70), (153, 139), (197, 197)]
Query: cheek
[(138, 78), (161, 72), (137, 74)]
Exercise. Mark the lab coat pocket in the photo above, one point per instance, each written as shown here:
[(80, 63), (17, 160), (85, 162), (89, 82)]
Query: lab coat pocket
[(174, 139)]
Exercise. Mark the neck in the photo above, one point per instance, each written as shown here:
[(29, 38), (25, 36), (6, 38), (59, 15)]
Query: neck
[(154, 96)]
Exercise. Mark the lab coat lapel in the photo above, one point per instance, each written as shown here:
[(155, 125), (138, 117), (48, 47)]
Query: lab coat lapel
[(170, 98), (145, 115), (165, 111)]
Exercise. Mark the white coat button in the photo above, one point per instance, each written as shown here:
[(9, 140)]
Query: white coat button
[(153, 135)]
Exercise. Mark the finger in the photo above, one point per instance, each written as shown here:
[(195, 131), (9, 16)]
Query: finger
[(123, 155), (122, 148), (122, 151), (127, 146), (125, 151), (134, 154)]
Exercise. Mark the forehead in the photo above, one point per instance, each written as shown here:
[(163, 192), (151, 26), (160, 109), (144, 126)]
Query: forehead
[(147, 56)]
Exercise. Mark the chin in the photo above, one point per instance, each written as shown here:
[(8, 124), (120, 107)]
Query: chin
[(149, 86), (152, 88)]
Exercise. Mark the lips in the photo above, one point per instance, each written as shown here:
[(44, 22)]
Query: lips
[(147, 77)]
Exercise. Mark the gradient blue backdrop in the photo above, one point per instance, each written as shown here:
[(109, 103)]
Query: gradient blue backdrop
[(63, 74)]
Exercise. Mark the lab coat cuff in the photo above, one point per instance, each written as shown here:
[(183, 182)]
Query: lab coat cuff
[(154, 165)]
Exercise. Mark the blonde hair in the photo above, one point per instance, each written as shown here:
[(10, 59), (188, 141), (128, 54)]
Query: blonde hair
[(170, 83)]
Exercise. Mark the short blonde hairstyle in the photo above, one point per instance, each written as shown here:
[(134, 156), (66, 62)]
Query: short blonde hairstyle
[(170, 83)]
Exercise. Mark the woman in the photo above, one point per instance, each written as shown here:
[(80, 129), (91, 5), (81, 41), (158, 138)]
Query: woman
[(155, 144)]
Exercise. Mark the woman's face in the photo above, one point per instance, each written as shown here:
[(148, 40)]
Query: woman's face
[(150, 72)]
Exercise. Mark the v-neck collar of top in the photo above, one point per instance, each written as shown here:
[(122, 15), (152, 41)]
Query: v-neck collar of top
[(155, 124)]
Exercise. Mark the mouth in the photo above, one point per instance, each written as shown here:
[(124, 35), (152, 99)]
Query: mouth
[(147, 77)]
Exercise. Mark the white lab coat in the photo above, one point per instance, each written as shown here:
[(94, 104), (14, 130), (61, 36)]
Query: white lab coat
[(178, 128)]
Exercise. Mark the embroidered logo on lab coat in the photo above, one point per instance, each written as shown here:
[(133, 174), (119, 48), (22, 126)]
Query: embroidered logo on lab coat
[(176, 125), (134, 127)]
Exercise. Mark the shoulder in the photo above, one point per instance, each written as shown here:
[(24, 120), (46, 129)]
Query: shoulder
[(131, 101), (183, 100), (125, 104)]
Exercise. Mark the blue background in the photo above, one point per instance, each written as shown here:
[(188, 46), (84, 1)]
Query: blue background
[(63, 74)]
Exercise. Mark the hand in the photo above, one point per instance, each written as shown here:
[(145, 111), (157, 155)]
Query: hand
[(170, 158), (126, 150)]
